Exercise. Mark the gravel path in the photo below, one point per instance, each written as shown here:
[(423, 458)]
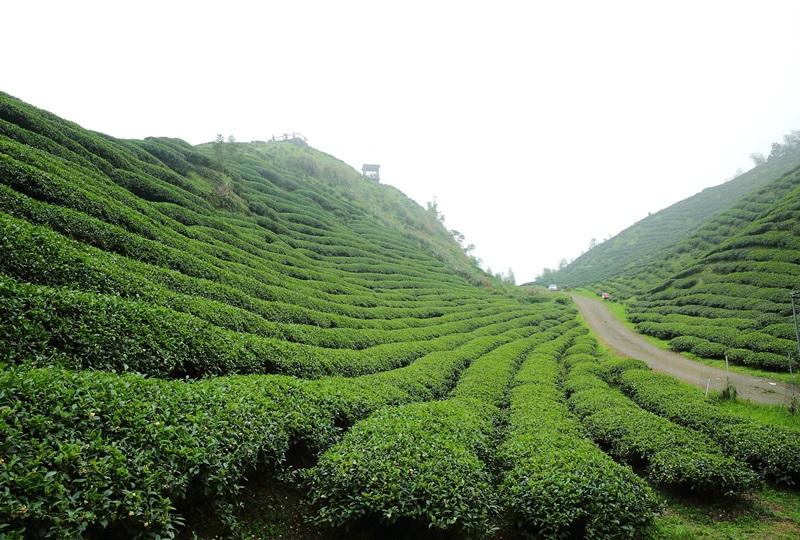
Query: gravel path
[(628, 343)]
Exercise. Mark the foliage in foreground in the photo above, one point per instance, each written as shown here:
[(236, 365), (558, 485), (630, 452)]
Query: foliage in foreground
[(772, 451), (555, 481), (672, 456), (425, 462)]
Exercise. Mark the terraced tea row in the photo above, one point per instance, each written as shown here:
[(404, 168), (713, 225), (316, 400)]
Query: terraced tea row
[(672, 456), (772, 451), (176, 251), (51, 179), (244, 275), (178, 320), (114, 440), (555, 481), (127, 448), (736, 301), (105, 332)]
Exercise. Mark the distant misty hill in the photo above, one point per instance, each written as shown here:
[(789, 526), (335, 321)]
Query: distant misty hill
[(653, 248)]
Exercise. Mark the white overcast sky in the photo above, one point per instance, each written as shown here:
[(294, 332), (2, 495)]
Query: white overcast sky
[(537, 125)]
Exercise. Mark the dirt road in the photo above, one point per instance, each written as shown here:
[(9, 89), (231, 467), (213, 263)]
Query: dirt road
[(626, 342)]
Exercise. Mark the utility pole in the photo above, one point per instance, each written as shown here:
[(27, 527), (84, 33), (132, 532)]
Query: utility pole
[(796, 299), (795, 295)]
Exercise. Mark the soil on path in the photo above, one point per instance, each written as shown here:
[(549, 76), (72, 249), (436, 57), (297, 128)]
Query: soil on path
[(625, 342)]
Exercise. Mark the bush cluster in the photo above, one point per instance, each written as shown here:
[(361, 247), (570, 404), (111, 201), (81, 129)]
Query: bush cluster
[(772, 451), (83, 450), (555, 482), (424, 462), (757, 349), (672, 455), (106, 332)]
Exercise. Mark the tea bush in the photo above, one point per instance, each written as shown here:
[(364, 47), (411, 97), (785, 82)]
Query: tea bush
[(771, 450), (674, 456), (424, 462), (555, 482)]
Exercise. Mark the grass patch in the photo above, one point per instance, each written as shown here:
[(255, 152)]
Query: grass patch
[(769, 514), (777, 415)]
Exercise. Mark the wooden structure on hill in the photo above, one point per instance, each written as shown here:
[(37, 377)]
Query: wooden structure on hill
[(291, 137), (371, 171)]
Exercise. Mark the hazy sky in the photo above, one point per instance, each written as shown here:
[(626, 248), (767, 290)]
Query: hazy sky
[(537, 125)]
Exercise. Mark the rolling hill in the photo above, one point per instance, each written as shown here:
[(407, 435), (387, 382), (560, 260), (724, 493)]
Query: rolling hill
[(735, 300), (251, 340), (649, 251), (722, 288), (648, 274)]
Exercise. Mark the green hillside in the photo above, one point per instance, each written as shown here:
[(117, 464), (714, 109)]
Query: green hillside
[(650, 250), (722, 289), (250, 340), (638, 278), (735, 301)]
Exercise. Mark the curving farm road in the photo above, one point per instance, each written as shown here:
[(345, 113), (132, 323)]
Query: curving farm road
[(628, 343)]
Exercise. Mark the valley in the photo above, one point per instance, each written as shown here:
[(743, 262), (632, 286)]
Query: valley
[(253, 340)]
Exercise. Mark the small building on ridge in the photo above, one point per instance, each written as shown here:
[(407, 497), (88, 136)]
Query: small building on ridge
[(371, 171)]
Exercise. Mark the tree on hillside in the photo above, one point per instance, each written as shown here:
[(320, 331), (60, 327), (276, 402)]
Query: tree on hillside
[(225, 151), (226, 188), (758, 158), (433, 209), (219, 152), (792, 139), (232, 150), (510, 278), (791, 142), (545, 275)]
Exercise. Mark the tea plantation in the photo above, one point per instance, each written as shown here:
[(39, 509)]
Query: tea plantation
[(184, 328), (667, 241), (723, 288), (735, 301)]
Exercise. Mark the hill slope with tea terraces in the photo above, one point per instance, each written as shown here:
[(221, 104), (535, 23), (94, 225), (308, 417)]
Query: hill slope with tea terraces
[(735, 301), (184, 328), (666, 242)]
